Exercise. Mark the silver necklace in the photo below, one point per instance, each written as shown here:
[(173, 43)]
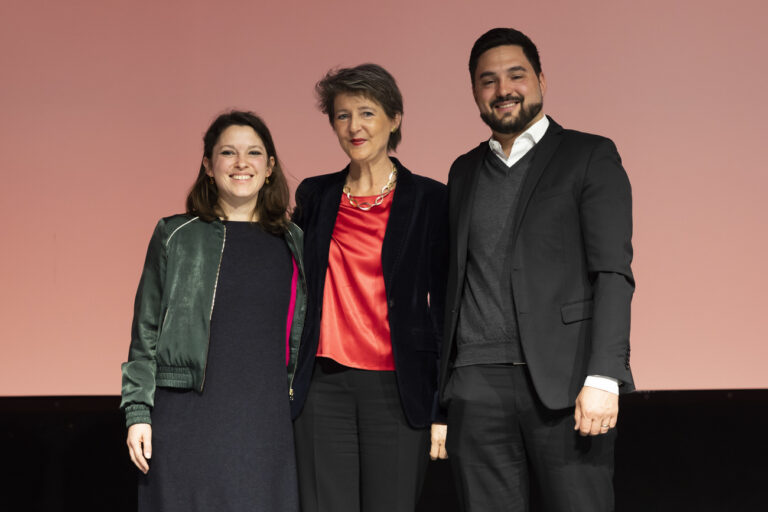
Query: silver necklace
[(385, 190)]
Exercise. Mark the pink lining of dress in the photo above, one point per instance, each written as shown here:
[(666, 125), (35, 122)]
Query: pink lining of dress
[(291, 308)]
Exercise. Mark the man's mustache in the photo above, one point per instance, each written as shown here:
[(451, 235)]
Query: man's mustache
[(505, 99)]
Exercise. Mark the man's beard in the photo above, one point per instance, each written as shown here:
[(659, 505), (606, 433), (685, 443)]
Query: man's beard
[(515, 125)]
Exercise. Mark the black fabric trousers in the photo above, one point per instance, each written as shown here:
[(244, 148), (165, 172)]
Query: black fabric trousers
[(510, 453), (354, 448)]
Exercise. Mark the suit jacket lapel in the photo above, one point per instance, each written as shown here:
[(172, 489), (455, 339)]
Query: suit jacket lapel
[(401, 215), (466, 200), (328, 210), (545, 149)]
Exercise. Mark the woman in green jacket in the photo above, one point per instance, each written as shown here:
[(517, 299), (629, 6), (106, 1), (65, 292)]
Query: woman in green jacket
[(217, 322)]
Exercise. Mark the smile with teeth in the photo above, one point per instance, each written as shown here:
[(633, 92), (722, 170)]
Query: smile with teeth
[(506, 104), (241, 176)]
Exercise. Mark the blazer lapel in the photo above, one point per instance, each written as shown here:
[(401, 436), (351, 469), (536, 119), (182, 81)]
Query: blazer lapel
[(545, 149), (465, 201), (328, 210), (401, 215)]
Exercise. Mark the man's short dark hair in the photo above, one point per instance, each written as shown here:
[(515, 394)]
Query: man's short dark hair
[(369, 80), (500, 37)]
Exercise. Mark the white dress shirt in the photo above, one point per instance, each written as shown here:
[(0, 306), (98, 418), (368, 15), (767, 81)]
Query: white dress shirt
[(523, 143)]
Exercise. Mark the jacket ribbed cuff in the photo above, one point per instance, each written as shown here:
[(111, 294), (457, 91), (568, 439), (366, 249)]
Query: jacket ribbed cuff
[(137, 413)]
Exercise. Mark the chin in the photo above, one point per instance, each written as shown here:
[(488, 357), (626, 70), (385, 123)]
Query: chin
[(358, 157)]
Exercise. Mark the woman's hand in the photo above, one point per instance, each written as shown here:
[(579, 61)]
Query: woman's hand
[(140, 445), (437, 450)]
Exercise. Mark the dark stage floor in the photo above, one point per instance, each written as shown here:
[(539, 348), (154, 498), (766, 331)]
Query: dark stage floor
[(677, 451)]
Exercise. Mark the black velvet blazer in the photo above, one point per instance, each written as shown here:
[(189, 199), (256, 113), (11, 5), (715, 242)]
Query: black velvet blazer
[(414, 262)]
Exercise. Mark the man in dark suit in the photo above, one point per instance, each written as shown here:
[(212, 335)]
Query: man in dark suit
[(538, 298)]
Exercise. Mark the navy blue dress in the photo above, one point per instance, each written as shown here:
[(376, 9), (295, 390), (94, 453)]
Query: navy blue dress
[(230, 448)]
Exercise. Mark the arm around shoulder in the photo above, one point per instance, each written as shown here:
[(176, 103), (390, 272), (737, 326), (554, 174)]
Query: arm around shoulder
[(303, 197)]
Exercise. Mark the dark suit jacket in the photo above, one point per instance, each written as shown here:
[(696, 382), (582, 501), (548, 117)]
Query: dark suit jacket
[(413, 258), (570, 267)]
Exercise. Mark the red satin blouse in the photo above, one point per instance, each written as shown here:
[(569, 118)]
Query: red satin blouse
[(354, 329)]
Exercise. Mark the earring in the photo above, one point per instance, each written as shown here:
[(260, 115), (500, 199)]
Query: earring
[(267, 180), (210, 179)]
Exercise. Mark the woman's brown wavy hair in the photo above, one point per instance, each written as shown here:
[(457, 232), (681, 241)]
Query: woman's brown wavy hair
[(273, 198)]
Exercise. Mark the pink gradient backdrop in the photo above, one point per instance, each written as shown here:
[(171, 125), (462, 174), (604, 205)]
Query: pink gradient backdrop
[(104, 104)]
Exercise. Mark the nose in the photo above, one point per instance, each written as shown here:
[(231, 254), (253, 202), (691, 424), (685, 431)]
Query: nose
[(354, 123), (240, 163), (504, 87)]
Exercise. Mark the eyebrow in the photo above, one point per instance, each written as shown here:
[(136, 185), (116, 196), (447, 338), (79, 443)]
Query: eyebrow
[(509, 70), (361, 107), (249, 147)]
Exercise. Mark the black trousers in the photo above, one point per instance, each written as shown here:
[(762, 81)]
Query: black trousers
[(354, 448), (510, 453)]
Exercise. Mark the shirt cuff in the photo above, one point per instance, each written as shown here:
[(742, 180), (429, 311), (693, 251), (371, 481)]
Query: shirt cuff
[(601, 382)]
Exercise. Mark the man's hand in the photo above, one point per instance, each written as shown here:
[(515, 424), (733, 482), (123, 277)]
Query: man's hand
[(438, 433), (596, 411), (140, 445)]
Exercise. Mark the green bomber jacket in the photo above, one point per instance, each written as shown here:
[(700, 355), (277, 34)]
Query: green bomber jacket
[(173, 308)]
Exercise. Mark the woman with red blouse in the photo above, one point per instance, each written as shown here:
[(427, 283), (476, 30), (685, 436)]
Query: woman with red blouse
[(364, 394)]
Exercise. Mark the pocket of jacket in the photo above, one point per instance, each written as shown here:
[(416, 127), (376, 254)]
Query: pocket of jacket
[(163, 322), (577, 311), (548, 194)]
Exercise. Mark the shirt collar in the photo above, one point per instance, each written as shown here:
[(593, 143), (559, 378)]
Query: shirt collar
[(534, 133)]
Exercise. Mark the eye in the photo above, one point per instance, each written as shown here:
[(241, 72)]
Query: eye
[(367, 113), (517, 77), (227, 152), (486, 83), (254, 152), (342, 117)]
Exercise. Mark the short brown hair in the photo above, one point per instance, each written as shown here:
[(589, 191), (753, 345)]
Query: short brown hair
[(369, 80), (272, 203)]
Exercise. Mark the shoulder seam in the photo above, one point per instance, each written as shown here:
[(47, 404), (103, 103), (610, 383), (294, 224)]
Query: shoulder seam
[(178, 228)]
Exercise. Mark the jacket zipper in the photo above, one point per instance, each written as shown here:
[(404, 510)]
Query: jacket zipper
[(298, 345), (213, 301)]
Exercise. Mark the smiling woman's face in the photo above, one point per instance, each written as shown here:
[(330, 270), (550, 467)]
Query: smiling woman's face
[(239, 165), (362, 126)]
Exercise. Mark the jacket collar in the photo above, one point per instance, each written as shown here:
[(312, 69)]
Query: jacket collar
[(545, 149), (398, 226), (401, 215)]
